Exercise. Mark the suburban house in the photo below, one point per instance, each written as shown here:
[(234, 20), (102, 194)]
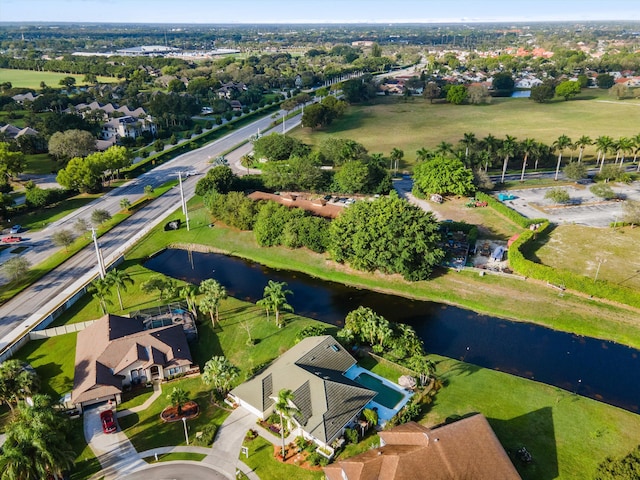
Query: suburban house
[(467, 448), (22, 97), (230, 90), (10, 132), (313, 370), (126, 126), (115, 352)]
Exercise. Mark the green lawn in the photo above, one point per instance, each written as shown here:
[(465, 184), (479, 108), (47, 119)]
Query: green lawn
[(264, 464), (172, 457), (39, 219), (40, 164), (135, 398), (32, 78), (391, 122)]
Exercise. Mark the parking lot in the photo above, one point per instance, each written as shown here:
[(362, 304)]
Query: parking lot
[(584, 209)]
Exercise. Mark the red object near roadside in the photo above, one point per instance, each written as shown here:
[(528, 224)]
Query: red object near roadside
[(108, 422), (12, 239)]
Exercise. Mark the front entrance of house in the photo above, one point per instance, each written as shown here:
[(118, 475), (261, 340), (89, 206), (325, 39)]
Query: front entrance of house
[(155, 372)]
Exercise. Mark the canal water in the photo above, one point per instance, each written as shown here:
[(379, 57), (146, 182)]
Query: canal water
[(593, 368)]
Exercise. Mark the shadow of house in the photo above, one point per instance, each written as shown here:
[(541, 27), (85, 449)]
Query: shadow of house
[(534, 431)]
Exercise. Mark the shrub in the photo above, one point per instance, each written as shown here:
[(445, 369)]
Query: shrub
[(351, 434), (603, 191), (315, 458), (511, 214), (208, 434), (558, 195)]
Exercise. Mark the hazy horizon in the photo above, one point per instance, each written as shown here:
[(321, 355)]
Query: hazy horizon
[(330, 12)]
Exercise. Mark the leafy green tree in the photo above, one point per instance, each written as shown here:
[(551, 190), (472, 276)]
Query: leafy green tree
[(605, 81), (72, 143), (558, 195), (341, 150), (278, 147), (99, 216), (214, 293), (285, 407), (503, 84), (575, 171), (81, 226), (620, 91), (11, 163), (274, 300), (220, 373), (63, 238), (234, 209), (17, 381), (119, 279), (68, 82), (178, 398), (148, 190), (457, 94), (568, 89), (164, 286), (625, 468), (219, 179), (83, 174), (352, 177), (389, 235), (443, 176), (542, 93), (603, 191), (431, 91), (125, 204), (297, 173), (16, 268)]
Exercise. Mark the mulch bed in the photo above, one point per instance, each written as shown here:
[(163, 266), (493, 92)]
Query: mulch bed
[(189, 410), (299, 459)]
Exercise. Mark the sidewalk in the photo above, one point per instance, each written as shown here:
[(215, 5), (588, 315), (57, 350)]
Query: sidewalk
[(157, 391)]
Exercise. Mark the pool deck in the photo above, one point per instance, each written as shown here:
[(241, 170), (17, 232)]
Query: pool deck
[(384, 414)]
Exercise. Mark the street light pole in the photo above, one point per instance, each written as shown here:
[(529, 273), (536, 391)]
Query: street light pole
[(182, 201), (186, 434), (101, 268)]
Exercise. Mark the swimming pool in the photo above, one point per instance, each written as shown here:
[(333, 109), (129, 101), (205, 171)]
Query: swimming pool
[(387, 396)]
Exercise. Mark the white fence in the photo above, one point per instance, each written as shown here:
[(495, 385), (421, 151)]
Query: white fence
[(55, 331)]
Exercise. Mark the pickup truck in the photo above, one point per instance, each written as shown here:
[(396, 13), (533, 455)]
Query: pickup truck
[(11, 239)]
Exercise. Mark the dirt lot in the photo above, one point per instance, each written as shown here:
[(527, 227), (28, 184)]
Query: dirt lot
[(585, 209)]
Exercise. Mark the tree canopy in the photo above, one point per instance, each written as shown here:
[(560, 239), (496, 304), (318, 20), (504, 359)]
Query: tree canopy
[(568, 89), (443, 176), (388, 234), (71, 143), (279, 147)]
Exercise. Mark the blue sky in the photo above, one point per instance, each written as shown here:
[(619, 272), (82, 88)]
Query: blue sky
[(319, 11)]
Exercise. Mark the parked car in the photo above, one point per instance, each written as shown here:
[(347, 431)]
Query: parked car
[(108, 422), (12, 239), (15, 229)]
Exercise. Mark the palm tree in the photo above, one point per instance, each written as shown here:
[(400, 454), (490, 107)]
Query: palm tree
[(469, 141), (220, 373), (490, 144), (285, 407), (189, 294), (214, 293), (119, 279), (604, 144), (583, 142), (423, 154), (275, 298), (624, 145), (17, 381), (443, 148), (560, 144), (396, 155), (636, 148), (509, 148), (528, 145), (178, 397), (99, 289)]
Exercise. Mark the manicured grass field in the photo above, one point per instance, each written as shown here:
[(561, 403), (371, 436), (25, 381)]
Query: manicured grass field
[(263, 462), (581, 249), (39, 164), (172, 457), (411, 125), (32, 78)]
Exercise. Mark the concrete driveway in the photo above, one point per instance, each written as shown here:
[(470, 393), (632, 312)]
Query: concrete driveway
[(176, 471), (115, 452)]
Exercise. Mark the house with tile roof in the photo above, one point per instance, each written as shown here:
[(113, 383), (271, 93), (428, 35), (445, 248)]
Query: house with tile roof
[(326, 400), (467, 448), (115, 352)]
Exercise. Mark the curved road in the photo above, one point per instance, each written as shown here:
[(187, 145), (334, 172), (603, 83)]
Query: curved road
[(50, 287), (177, 471)]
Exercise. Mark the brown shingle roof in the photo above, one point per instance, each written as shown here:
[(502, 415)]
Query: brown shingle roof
[(467, 448), (315, 207), (109, 345)]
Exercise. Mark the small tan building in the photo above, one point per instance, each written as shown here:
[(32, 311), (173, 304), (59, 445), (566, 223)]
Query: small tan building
[(115, 352), (464, 449)]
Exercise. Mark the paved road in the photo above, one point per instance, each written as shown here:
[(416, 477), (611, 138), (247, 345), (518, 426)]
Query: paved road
[(176, 471), (53, 285)]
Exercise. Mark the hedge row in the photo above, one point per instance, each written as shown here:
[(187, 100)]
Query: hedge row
[(511, 214), (563, 278)]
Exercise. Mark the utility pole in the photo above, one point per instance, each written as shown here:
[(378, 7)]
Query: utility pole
[(182, 201), (101, 268)]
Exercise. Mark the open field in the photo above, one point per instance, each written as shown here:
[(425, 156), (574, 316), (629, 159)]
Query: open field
[(580, 249), (32, 78), (392, 122)]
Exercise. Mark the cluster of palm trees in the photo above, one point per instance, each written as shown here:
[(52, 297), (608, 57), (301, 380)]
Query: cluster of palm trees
[(275, 300), (100, 288), (37, 442), (486, 152)]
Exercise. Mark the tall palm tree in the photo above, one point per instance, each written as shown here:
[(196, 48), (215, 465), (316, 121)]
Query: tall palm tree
[(527, 146), (582, 142), (444, 148), (624, 145), (100, 289), (119, 279), (396, 156), (469, 141), (214, 293), (509, 148), (636, 149), (275, 299), (423, 154), (285, 407), (189, 293), (560, 144), (491, 145), (604, 144), (220, 373)]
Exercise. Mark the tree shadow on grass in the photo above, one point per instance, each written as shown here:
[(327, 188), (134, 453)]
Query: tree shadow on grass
[(534, 431)]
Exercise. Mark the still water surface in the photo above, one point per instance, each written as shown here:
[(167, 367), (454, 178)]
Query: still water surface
[(594, 368)]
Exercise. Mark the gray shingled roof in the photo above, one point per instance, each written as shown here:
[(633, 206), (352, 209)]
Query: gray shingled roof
[(313, 370)]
